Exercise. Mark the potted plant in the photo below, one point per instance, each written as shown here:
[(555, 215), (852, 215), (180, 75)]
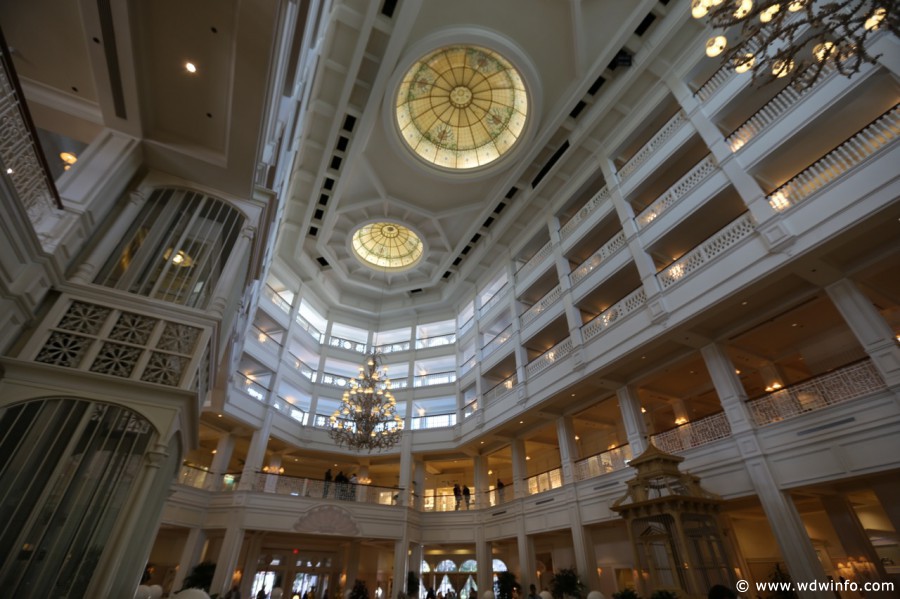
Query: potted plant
[(565, 583), (200, 577), (359, 590), (412, 584), (626, 594), (664, 594)]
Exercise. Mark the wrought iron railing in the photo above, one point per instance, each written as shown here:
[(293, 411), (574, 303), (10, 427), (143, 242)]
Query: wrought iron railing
[(843, 384), (695, 177), (549, 357), (545, 481), (693, 434), (614, 313), (604, 462)]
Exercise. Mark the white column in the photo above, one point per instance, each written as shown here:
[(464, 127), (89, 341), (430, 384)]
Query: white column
[(850, 531), (484, 578), (227, 560), (352, 569), (585, 559), (191, 554), (274, 466), (873, 333), (568, 451), (87, 270), (225, 288), (633, 419), (419, 486), (220, 461), (406, 469), (256, 453), (728, 387), (482, 483), (887, 490), (519, 471), (527, 568), (401, 553)]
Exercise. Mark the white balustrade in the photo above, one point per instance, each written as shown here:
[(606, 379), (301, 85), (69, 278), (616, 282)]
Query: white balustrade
[(535, 261), (608, 249), (348, 344), (695, 177), (549, 357), (434, 378), (603, 463), (667, 131), (495, 343), (614, 313), (309, 328), (544, 481), (493, 300), (499, 390), (467, 366), (436, 341), (738, 229), (276, 298), (878, 135), (693, 434), (544, 303), (582, 215), (838, 386)]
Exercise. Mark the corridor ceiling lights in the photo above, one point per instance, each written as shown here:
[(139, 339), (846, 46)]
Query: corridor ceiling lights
[(798, 40), (461, 107), (366, 418)]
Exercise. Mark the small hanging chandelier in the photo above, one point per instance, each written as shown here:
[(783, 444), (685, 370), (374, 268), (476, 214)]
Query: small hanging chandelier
[(800, 40), (367, 417)]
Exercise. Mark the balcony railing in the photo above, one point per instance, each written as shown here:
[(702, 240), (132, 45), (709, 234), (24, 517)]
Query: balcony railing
[(199, 477), (535, 261), (695, 177), (436, 341), (545, 481), (470, 408), (390, 348), (545, 302), (309, 328), (603, 463), (466, 325), (433, 421), (499, 390), (614, 313), (467, 365), (608, 249), (348, 344), (773, 110), (493, 300), (276, 298), (723, 74), (337, 380), (738, 229), (251, 387), (693, 434), (305, 370), (495, 343), (268, 338), (291, 411), (21, 157), (586, 211), (649, 148), (880, 134), (434, 378), (549, 357), (282, 484), (844, 384)]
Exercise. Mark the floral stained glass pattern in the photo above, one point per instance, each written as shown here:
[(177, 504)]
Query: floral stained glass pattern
[(387, 246), (461, 107)]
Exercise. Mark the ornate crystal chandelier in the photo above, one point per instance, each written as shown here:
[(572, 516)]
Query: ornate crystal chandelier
[(800, 40), (366, 418)]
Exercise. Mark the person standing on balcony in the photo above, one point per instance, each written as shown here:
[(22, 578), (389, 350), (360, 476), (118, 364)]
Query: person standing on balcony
[(328, 479), (500, 493), (457, 494), (467, 495)]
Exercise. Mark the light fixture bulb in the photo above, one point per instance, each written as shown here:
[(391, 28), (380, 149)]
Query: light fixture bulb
[(698, 9), (768, 14), (68, 157), (716, 45), (743, 8), (190, 67), (746, 64), (781, 68), (875, 20), (796, 5), (823, 50)]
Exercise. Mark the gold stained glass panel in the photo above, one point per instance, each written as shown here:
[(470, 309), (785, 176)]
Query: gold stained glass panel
[(461, 107), (387, 245)]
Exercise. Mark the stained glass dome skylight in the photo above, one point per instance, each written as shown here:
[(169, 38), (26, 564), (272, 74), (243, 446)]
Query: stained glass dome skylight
[(387, 246), (461, 107)]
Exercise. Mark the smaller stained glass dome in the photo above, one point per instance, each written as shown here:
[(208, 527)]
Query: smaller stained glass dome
[(387, 246), (461, 107)]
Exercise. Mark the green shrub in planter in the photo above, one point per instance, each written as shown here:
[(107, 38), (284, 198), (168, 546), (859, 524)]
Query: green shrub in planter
[(626, 594), (565, 583)]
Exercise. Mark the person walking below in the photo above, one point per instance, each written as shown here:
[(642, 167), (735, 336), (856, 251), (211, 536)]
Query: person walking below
[(467, 495), (457, 494)]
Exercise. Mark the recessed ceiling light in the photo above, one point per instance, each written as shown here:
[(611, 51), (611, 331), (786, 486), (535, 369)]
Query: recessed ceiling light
[(219, 415), (190, 67), (9, 171), (521, 422), (68, 157), (573, 395)]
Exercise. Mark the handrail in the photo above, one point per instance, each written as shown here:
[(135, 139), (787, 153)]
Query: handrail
[(543, 361), (436, 341), (694, 177), (648, 149), (11, 94), (309, 328), (535, 260), (434, 378), (606, 251), (265, 335), (500, 389), (348, 344), (581, 216), (693, 434), (276, 298), (496, 297), (542, 304), (496, 341), (624, 306)]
